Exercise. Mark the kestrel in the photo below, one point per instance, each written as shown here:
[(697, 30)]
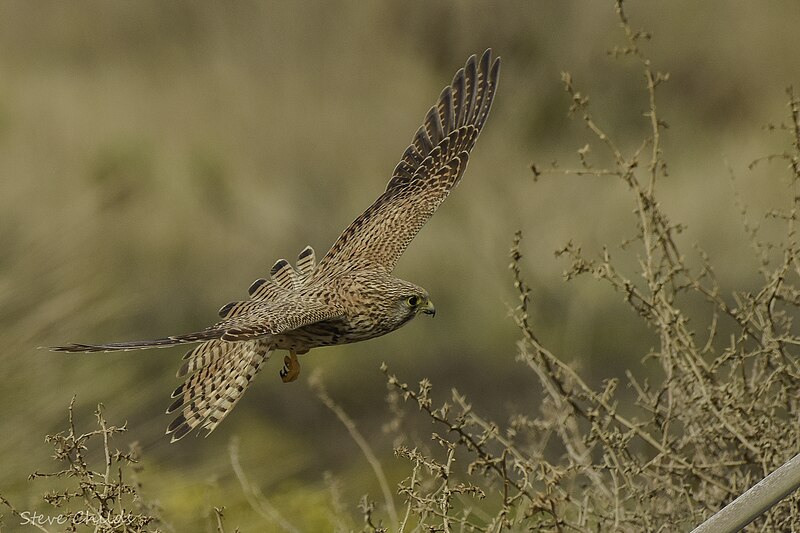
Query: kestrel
[(350, 295)]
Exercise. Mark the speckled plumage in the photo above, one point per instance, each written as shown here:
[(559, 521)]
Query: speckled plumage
[(350, 295)]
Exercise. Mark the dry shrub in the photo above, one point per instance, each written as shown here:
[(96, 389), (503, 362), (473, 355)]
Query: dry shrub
[(720, 414), (101, 494)]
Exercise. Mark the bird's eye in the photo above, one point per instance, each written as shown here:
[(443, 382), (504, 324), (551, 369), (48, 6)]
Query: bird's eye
[(413, 301)]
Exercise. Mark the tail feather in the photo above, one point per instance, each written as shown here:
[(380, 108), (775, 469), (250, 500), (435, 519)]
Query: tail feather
[(188, 338)]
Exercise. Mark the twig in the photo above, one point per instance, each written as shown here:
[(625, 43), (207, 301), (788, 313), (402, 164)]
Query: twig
[(258, 502), (315, 382)]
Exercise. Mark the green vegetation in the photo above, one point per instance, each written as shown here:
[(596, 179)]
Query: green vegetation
[(155, 158)]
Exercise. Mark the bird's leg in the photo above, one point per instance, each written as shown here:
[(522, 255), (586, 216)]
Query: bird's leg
[(291, 367)]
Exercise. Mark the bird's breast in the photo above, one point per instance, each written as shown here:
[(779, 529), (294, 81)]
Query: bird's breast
[(345, 330)]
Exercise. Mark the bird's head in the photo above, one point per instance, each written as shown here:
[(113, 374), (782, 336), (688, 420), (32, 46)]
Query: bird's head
[(419, 302), (389, 301), (411, 300)]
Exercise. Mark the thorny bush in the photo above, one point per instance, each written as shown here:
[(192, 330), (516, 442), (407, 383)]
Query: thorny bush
[(721, 415), (104, 497)]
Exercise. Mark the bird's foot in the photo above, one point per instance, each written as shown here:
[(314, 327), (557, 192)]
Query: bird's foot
[(291, 368)]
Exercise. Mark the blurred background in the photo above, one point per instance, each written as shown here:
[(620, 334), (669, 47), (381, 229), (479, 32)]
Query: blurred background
[(156, 158)]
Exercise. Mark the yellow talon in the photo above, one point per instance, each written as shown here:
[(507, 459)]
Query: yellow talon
[(291, 368)]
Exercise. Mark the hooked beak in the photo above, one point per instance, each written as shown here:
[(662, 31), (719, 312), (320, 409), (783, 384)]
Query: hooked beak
[(428, 308)]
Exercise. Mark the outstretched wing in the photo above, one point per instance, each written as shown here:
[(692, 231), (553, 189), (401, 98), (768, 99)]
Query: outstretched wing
[(230, 354), (428, 170), (218, 371), (217, 374)]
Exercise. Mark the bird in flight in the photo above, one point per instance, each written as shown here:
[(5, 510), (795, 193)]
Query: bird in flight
[(348, 296)]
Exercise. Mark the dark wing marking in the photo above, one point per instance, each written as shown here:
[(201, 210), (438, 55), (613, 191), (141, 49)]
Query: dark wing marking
[(430, 167), (285, 280), (220, 373), (306, 261)]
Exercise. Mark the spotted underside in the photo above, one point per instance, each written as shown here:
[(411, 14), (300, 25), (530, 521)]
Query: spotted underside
[(350, 294)]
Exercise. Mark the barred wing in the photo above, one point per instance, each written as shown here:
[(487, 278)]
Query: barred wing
[(427, 172), (217, 375)]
